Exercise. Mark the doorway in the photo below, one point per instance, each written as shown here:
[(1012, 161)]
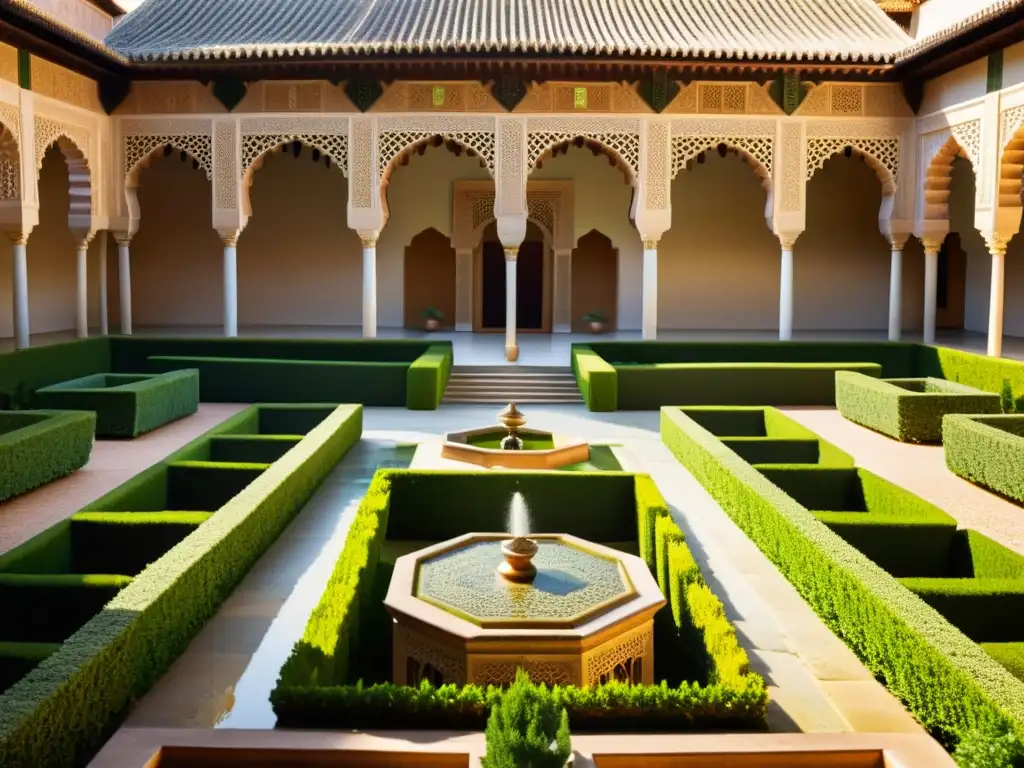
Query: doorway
[(429, 279), (951, 286), (530, 283), (595, 280)]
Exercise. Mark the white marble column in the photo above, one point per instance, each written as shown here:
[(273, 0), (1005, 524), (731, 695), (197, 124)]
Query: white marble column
[(562, 304), (82, 285), (896, 291), (786, 289), (650, 291), (464, 290), (997, 247), (101, 246), (19, 263), (230, 240), (511, 345), (931, 282), (369, 286), (124, 280)]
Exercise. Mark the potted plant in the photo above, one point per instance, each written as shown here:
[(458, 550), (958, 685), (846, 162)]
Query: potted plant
[(527, 728), (432, 317), (596, 320)]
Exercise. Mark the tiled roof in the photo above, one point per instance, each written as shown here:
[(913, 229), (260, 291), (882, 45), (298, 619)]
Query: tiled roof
[(989, 13), (850, 31)]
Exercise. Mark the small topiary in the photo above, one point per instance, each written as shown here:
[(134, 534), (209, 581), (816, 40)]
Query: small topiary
[(994, 745), (1006, 397), (527, 729)]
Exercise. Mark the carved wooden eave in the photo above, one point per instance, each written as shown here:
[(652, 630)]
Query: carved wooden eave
[(25, 33)]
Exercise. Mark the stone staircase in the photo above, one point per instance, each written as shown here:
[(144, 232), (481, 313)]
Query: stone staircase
[(499, 384)]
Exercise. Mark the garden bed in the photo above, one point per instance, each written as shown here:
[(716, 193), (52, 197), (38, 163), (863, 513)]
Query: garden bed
[(127, 405), (37, 447), (338, 674), (98, 606), (909, 410), (987, 450), (948, 681)]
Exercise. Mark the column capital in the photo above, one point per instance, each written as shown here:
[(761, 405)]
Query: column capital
[(511, 253), (931, 247), (82, 239), (229, 237), (788, 240), (650, 244), (898, 241), (123, 238), (368, 239), (18, 237), (997, 244)]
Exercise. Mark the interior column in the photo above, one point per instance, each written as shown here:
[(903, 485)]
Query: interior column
[(230, 240), (19, 259), (931, 282), (786, 289), (464, 289), (995, 305), (650, 290), (82, 287), (369, 286), (104, 315), (124, 279), (896, 291), (511, 346)]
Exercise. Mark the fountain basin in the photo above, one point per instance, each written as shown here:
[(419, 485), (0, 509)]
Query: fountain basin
[(585, 618), (541, 450)]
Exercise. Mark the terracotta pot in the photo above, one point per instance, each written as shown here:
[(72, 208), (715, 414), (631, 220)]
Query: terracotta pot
[(432, 324), (596, 327)]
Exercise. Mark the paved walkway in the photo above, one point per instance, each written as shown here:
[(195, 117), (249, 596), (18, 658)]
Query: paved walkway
[(225, 677), (110, 464), (922, 470)]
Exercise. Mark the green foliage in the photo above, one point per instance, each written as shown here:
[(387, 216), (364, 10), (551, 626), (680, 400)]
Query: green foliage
[(37, 447), (60, 712), (1010, 655), (24, 371), (946, 680), (988, 374), (428, 378), (909, 410), (1007, 399), (527, 729), (597, 380), (18, 659), (127, 405), (994, 745), (987, 450)]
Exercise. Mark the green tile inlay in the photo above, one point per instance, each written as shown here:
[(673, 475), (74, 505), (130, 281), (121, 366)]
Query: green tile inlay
[(25, 69), (995, 72)]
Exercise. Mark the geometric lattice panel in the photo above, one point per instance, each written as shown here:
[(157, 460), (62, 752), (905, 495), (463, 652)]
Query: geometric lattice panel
[(198, 147), (625, 144), (685, 148), (886, 152), (393, 143), (335, 146)]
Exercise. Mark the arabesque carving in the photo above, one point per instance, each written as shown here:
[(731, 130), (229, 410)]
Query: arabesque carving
[(397, 134), (620, 135), (261, 135)]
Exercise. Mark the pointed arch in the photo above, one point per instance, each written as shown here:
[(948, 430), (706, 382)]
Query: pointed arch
[(396, 147), (938, 179), (140, 150), (622, 149), (73, 143), (755, 151), (881, 155), (258, 147)]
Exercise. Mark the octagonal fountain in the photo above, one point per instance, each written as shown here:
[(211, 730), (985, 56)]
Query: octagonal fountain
[(475, 608), (511, 445)]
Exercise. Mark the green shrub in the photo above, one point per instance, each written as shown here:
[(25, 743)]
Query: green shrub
[(993, 745), (909, 410), (1007, 400), (26, 370), (946, 680), (58, 713), (527, 729), (597, 380), (989, 374), (127, 405), (987, 450), (18, 659), (37, 447), (428, 378), (1010, 655)]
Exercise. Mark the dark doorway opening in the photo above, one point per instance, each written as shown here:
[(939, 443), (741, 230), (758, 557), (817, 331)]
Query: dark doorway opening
[(529, 286), (951, 286)]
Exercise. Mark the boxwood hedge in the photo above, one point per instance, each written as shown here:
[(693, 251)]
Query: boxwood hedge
[(909, 410), (950, 684), (37, 447), (987, 450)]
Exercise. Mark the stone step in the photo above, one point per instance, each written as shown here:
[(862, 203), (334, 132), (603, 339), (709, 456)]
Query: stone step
[(501, 399), (500, 383)]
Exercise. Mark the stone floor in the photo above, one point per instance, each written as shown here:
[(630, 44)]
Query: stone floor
[(545, 348), (110, 464), (224, 678), (922, 470)]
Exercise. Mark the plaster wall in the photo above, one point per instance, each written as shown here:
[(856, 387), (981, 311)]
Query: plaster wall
[(935, 15), (602, 201), (719, 264), (955, 87), (1013, 65)]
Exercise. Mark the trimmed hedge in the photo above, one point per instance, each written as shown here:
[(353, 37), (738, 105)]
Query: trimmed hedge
[(37, 447), (313, 689), (947, 681), (26, 370), (59, 713), (909, 410), (987, 450), (127, 405), (427, 378), (597, 380)]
